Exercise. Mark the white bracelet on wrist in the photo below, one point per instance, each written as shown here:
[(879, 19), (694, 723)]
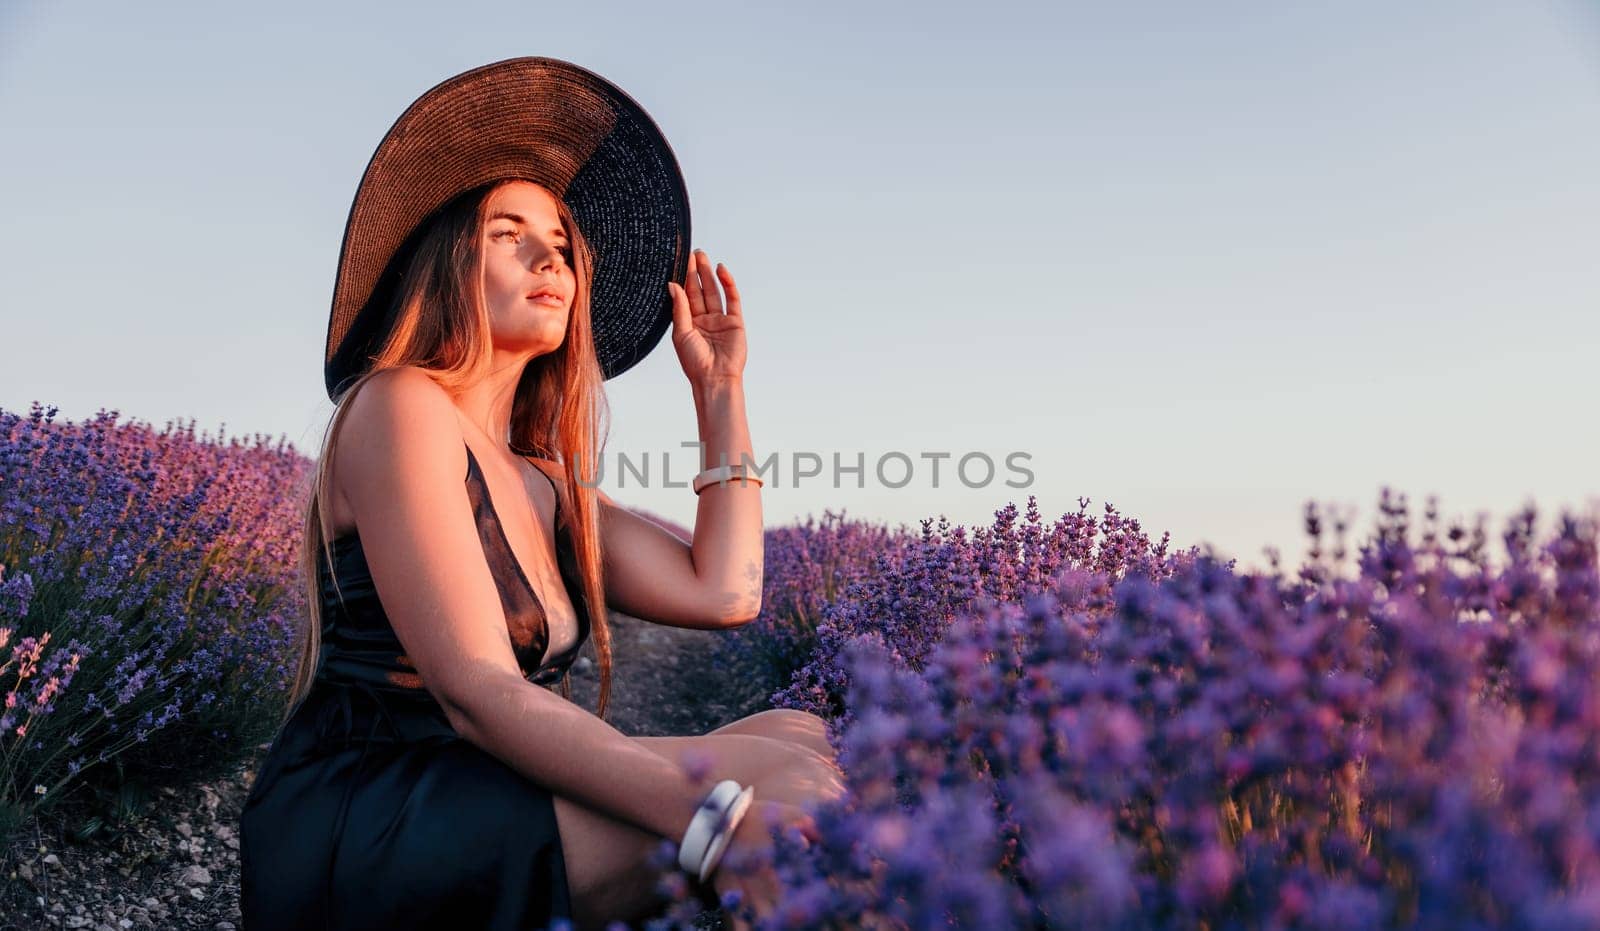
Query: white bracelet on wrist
[(712, 827), (725, 474), (724, 833)]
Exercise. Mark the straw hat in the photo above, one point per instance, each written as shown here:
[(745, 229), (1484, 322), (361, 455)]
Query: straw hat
[(542, 120)]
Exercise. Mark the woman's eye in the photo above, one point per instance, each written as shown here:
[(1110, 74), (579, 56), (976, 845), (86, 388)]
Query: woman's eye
[(565, 250)]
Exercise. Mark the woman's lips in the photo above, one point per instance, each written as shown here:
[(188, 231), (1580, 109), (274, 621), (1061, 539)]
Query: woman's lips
[(549, 300)]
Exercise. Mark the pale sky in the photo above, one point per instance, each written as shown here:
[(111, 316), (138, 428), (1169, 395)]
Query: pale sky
[(1202, 261)]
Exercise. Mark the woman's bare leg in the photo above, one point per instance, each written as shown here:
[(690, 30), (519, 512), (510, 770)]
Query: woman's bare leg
[(791, 724), (608, 871)]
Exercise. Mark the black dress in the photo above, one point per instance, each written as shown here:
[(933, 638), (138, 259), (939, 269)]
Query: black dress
[(370, 811)]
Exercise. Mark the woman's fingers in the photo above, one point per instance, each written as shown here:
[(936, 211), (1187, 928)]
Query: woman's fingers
[(701, 287), (734, 308), (706, 279), (682, 316), (692, 289)]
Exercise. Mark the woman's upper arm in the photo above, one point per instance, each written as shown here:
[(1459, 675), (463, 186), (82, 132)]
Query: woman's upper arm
[(402, 465)]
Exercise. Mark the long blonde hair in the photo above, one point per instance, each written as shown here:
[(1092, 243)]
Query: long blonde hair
[(441, 325)]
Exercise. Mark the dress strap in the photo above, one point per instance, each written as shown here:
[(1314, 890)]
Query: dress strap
[(553, 486)]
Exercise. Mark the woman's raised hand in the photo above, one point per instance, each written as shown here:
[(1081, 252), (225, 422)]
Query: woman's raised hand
[(707, 330)]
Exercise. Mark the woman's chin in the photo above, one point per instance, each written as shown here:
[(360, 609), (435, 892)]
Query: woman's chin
[(549, 318)]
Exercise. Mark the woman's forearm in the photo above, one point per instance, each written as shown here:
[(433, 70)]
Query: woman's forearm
[(727, 547), (568, 750)]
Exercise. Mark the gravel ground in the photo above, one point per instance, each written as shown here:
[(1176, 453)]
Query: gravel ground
[(176, 866)]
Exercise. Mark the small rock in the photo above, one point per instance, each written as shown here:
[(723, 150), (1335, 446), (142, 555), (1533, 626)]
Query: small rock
[(52, 859), (77, 921), (225, 926), (195, 876), (25, 871), (149, 901), (184, 829), (197, 893)]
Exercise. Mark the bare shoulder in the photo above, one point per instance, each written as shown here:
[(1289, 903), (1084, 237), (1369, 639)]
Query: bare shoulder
[(403, 460), (401, 393), (401, 421)]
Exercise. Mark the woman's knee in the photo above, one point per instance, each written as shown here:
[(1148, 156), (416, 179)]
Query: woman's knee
[(788, 724), (801, 723), (800, 775), (796, 772), (810, 779)]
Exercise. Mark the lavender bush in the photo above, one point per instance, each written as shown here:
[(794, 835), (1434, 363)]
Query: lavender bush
[(147, 583), (921, 586), (807, 567), (1411, 744)]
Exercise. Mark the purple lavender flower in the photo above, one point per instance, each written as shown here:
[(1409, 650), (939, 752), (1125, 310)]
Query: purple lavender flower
[(142, 571), (1177, 745)]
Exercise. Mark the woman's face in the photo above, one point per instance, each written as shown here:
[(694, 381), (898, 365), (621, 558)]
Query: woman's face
[(525, 251)]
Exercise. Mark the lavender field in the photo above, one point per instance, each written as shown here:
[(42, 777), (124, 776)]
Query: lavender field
[(1053, 724)]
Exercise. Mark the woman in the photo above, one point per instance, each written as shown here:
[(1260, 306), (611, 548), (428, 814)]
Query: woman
[(458, 554)]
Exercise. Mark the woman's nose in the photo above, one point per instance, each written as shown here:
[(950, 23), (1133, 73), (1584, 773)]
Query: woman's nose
[(547, 259)]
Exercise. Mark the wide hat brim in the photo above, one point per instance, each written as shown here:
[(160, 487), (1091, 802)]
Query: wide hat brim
[(539, 119)]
